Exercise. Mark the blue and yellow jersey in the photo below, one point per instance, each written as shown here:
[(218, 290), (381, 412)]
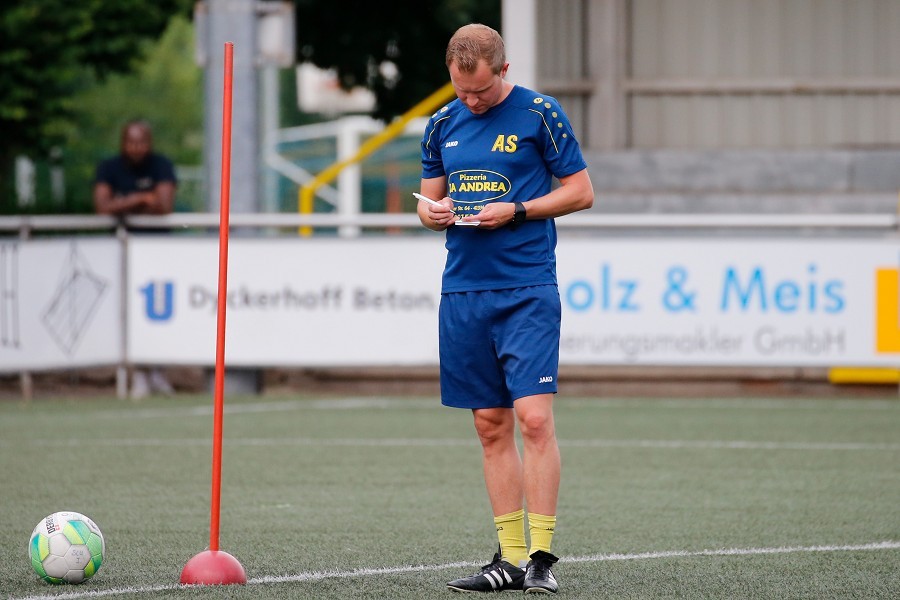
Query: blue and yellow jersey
[(508, 154)]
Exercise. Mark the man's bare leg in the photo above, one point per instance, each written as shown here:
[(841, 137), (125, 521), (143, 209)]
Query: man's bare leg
[(501, 460)]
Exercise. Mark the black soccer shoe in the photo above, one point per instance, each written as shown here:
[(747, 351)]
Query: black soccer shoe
[(498, 576), (539, 578)]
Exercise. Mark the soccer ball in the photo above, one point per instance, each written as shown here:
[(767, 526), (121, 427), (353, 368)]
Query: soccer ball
[(66, 547)]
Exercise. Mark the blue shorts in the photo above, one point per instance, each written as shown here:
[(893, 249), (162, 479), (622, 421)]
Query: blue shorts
[(497, 346)]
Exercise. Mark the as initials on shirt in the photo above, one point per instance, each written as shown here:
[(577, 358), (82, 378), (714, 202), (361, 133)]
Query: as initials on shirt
[(505, 143)]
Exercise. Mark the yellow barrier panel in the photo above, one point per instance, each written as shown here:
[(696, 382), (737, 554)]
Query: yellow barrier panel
[(863, 375), (425, 107)]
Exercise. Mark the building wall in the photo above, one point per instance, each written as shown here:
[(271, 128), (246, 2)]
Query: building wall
[(701, 74)]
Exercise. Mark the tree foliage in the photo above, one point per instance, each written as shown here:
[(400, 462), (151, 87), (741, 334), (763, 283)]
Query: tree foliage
[(47, 47), (357, 37), (165, 89)]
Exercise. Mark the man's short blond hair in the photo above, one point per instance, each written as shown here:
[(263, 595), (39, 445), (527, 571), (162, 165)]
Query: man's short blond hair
[(472, 43)]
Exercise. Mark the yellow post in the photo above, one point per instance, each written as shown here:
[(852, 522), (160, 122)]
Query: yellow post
[(426, 106)]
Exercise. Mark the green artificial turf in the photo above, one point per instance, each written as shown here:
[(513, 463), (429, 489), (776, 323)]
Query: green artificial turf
[(336, 497)]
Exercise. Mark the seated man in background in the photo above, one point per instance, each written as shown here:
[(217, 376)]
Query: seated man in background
[(137, 181)]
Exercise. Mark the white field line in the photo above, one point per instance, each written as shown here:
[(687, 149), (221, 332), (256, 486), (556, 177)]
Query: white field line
[(353, 403), (791, 404), (267, 407), (458, 442), (375, 572), (727, 445)]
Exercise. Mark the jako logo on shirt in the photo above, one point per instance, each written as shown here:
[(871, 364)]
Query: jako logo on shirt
[(547, 379), (159, 301)]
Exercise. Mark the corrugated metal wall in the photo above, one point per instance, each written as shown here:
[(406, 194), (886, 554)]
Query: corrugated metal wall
[(730, 73), (561, 28)]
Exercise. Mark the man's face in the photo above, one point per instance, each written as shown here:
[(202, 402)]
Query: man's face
[(479, 90), (136, 144)]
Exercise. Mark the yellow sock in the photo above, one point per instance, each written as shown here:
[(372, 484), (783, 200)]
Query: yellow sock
[(541, 529), (511, 532)]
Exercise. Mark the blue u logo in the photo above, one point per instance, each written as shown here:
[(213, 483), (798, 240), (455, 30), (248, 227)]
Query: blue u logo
[(158, 300)]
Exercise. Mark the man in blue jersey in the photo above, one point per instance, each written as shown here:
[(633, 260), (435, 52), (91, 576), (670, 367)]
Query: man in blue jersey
[(489, 158)]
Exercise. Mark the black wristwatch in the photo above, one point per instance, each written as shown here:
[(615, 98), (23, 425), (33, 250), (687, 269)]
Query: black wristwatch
[(518, 216)]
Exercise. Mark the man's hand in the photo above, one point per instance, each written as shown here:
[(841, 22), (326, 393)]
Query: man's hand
[(494, 215), (158, 201), (439, 217)]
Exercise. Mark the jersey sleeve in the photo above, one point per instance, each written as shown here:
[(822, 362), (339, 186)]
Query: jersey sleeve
[(562, 153), (432, 164), (165, 170), (103, 174)]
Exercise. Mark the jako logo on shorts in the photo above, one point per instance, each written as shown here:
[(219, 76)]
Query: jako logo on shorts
[(159, 301)]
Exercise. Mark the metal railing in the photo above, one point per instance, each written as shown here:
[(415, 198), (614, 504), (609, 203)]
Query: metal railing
[(306, 195), (25, 225)]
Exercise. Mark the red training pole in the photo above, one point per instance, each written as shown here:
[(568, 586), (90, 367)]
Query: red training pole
[(224, 200), (212, 566)]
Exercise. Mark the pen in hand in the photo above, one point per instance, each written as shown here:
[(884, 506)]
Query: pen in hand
[(430, 201), (453, 212)]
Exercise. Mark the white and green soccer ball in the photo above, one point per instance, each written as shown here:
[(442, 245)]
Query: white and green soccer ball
[(66, 547)]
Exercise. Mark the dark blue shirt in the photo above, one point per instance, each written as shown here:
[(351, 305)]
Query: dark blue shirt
[(126, 178)]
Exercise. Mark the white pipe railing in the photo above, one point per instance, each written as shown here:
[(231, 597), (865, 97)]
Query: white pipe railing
[(884, 222)]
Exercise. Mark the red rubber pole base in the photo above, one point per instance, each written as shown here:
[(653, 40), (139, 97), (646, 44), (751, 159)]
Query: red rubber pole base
[(213, 567)]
